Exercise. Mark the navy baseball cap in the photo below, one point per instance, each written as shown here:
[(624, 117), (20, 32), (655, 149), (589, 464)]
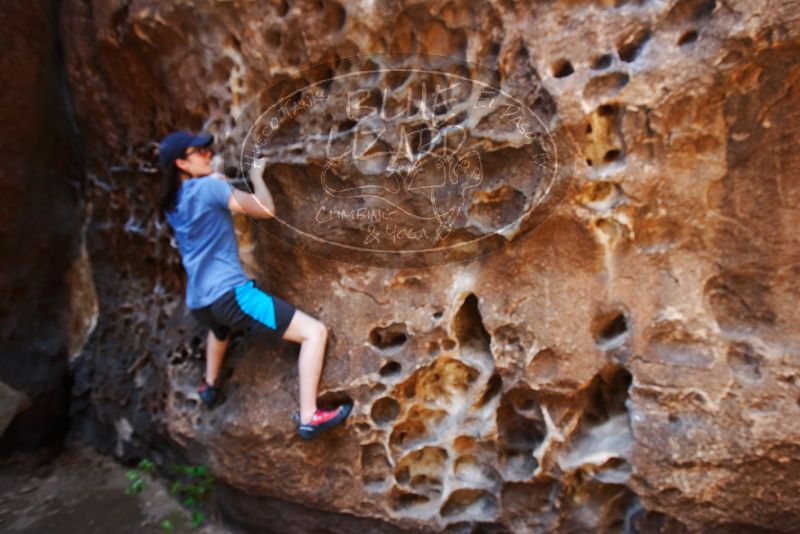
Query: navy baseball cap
[(175, 144)]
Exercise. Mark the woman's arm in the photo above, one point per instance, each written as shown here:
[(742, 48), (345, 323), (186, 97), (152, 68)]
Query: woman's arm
[(258, 204)]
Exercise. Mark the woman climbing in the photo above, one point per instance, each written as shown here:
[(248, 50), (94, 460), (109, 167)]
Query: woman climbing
[(197, 205)]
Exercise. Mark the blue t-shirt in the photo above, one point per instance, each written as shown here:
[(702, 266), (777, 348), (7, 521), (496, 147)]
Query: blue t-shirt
[(206, 239)]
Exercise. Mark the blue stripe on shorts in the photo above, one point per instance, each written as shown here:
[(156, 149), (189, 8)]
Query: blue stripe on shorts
[(256, 303)]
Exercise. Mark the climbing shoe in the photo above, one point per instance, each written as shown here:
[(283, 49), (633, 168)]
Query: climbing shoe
[(208, 394), (322, 420)]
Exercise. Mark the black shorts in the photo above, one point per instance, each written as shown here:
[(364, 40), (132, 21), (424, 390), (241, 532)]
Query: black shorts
[(246, 308)]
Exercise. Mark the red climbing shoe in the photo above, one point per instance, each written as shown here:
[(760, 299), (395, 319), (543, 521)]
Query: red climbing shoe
[(323, 420)]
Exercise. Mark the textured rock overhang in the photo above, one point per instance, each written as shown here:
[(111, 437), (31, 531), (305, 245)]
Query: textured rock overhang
[(629, 363)]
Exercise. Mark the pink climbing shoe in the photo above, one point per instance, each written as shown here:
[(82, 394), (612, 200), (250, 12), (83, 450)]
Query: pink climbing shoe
[(322, 420)]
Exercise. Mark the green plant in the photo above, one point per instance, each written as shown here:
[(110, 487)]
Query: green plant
[(135, 481), (193, 484)]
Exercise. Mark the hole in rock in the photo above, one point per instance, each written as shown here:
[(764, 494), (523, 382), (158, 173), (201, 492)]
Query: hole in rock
[(601, 194), (385, 410), (334, 16), (672, 418), (363, 107), (331, 399), (402, 475), (419, 138), (426, 484), (507, 339), (607, 110), (477, 527), (687, 11), (604, 509), (403, 501), (605, 86), (610, 329), (440, 108), (525, 502), (433, 348), (446, 382), (410, 388), (611, 230), (632, 46), (493, 388), (687, 38), (414, 430), (562, 68), (470, 470), (324, 77), (448, 343), (745, 361), (698, 398), (612, 156), (438, 314), (468, 326), (602, 62), (347, 125), (637, 519), (607, 394), (497, 208), (375, 465), (282, 7), (473, 504), (523, 399), (519, 433), (464, 444), (422, 470), (388, 337), (396, 78), (409, 434), (390, 369)]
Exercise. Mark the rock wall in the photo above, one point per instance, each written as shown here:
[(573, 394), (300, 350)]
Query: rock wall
[(46, 295), (627, 363)]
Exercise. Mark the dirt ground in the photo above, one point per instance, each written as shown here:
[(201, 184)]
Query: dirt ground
[(83, 492)]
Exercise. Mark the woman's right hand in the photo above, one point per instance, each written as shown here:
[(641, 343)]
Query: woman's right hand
[(256, 171)]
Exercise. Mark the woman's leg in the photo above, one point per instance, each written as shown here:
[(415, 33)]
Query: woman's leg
[(215, 352), (312, 335)]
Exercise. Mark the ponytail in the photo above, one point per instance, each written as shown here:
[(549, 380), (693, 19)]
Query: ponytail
[(172, 184)]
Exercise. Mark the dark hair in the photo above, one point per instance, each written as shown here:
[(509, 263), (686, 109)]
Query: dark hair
[(172, 184)]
